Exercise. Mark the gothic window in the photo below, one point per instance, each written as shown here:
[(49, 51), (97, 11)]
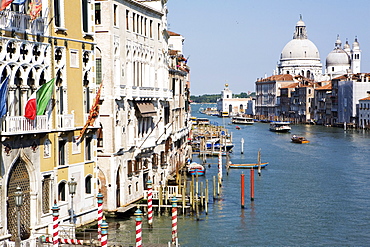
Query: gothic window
[(18, 177), (47, 148), (97, 14), (58, 55), (88, 184), (46, 192), (87, 92), (115, 14), (127, 20), (151, 28), (62, 191), (62, 152), (88, 147), (98, 67), (60, 92)]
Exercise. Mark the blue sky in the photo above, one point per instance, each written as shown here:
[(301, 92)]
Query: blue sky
[(238, 41)]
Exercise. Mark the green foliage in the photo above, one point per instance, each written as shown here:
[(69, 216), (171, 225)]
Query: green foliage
[(212, 98)]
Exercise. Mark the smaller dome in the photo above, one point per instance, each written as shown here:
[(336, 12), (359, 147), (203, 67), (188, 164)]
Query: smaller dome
[(337, 57), (356, 45)]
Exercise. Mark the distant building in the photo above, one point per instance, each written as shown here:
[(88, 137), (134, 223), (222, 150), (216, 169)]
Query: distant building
[(364, 112), (268, 92), (229, 106)]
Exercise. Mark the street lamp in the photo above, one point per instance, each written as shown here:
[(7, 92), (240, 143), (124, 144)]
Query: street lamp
[(72, 190), (18, 197)]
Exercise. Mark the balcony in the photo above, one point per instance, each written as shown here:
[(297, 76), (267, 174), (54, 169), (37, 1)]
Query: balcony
[(11, 20), (66, 121), (15, 125), (142, 93)]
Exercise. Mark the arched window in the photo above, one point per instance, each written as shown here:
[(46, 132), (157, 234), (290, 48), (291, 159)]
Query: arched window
[(88, 184), (62, 191)]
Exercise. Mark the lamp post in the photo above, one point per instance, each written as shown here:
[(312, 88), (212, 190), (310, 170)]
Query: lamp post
[(18, 197), (72, 190)]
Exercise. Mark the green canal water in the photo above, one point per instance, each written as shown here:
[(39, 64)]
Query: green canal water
[(315, 194)]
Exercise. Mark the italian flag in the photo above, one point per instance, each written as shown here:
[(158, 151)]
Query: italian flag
[(39, 100)]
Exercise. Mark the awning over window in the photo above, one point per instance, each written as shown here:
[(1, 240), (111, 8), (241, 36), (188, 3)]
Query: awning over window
[(146, 109)]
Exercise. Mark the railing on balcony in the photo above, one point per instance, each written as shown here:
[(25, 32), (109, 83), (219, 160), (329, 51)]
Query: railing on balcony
[(66, 121), (147, 92), (20, 124), (12, 20)]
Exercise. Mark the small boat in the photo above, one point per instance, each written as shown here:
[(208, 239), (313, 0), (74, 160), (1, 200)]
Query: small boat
[(280, 126), (299, 139), (195, 168), (247, 166), (242, 120)]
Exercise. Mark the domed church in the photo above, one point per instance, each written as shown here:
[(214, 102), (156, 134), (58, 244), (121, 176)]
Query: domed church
[(343, 60), (300, 56)]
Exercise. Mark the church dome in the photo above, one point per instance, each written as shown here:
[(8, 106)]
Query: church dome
[(300, 49), (337, 57)]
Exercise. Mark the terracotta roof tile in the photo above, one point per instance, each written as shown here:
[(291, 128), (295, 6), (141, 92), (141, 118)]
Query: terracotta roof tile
[(173, 33)]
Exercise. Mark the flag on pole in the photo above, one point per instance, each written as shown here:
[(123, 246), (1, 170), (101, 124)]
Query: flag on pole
[(36, 6), (4, 4), (39, 100), (4, 97), (93, 114)]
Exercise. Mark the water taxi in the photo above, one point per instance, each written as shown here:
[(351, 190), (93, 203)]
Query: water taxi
[(280, 126), (299, 139), (242, 120)]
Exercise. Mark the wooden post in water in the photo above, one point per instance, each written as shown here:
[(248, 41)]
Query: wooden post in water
[(192, 193), (206, 203), (242, 189), (242, 146), (259, 162), (183, 197), (160, 199), (252, 184), (201, 194), (214, 187)]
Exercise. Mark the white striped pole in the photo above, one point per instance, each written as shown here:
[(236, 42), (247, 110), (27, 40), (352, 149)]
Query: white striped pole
[(220, 168), (55, 210), (104, 233), (138, 215), (100, 213), (174, 220), (150, 203)]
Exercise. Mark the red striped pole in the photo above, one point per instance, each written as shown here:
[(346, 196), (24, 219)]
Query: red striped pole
[(252, 184), (138, 215), (104, 233), (242, 189), (64, 241), (55, 210), (174, 220), (150, 203), (100, 197)]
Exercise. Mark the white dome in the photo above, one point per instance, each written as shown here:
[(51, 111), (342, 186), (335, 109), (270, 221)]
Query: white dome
[(300, 49), (337, 57)]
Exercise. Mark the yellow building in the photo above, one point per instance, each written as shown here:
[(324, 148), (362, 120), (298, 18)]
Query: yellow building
[(49, 40)]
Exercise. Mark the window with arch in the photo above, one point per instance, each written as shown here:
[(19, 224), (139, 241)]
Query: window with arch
[(129, 190), (137, 186), (62, 191), (88, 184)]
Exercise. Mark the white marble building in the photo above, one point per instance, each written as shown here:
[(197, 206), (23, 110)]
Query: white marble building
[(139, 140)]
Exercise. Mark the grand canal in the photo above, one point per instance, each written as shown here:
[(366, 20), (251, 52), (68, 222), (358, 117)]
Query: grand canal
[(311, 194)]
